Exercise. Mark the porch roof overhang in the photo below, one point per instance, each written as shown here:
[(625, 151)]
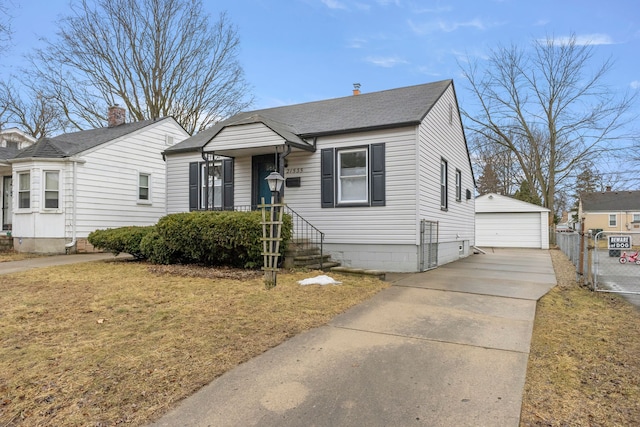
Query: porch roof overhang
[(284, 137)]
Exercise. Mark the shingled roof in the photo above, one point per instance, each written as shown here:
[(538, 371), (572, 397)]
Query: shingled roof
[(369, 111), (611, 201), (70, 144)]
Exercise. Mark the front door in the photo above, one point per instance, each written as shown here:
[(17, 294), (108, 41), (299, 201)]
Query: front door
[(7, 211), (262, 166)]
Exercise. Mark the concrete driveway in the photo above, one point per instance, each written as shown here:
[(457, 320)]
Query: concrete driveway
[(447, 347)]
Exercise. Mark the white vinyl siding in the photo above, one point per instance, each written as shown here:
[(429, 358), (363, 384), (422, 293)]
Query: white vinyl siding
[(441, 139), (241, 137), (394, 223), (178, 180)]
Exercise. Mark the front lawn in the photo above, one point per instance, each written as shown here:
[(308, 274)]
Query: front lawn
[(105, 343)]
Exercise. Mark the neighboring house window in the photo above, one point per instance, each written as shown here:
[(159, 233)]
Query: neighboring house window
[(444, 184), (613, 220), (353, 176), (211, 188), (51, 189), (458, 185), (144, 187), (636, 217), (214, 191), (24, 190)]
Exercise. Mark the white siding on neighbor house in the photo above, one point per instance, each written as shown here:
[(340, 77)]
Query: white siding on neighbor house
[(442, 138), (393, 223), (37, 221)]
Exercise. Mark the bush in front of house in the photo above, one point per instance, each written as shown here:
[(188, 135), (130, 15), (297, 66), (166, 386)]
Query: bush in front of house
[(211, 238), (120, 240)]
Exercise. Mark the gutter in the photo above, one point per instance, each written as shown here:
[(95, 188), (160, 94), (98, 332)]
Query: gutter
[(74, 207)]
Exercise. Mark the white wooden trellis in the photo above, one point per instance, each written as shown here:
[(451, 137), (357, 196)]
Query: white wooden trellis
[(271, 237)]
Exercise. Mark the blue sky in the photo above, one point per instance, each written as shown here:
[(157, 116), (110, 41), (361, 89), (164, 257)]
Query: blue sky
[(305, 50)]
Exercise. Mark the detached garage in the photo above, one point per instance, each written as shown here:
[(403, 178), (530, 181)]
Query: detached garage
[(504, 222)]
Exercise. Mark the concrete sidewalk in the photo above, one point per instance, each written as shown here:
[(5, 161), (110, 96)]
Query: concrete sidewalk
[(49, 261), (448, 347)]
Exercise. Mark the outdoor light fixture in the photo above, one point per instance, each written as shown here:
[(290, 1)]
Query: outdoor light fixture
[(275, 181)]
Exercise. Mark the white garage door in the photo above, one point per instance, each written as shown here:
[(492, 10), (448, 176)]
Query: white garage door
[(508, 230)]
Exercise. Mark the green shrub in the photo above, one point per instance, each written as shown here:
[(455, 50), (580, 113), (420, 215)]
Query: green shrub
[(120, 240), (211, 238)]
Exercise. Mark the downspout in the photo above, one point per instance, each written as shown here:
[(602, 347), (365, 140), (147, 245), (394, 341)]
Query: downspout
[(74, 180)]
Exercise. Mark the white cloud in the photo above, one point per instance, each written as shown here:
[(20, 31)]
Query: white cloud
[(635, 84), (586, 39), (333, 4), (356, 43), (447, 27), (386, 62)]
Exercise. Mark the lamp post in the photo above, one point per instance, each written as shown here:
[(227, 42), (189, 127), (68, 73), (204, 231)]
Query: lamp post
[(272, 242)]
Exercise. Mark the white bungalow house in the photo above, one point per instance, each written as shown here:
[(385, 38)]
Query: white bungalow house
[(70, 185), (385, 176)]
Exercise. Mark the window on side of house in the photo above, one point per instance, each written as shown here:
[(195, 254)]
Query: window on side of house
[(613, 220), (24, 190), (444, 185), (458, 185), (51, 189), (211, 186), (636, 217), (144, 187), (353, 186)]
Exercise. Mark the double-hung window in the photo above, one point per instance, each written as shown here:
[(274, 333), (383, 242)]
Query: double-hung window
[(211, 185), (444, 185), (613, 220), (636, 217), (144, 187), (352, 176), (458, 185), (24, 190), (51, 189)]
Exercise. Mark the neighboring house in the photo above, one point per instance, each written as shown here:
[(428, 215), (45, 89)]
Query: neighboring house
[(70, 185), (369, 170), (504, 222), (610, 211), (12, 140)]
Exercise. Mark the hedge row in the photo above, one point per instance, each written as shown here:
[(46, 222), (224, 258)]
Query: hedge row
[(212, 238)]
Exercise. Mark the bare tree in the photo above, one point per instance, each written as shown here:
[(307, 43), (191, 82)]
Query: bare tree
[(30, 110), (545, 107), (156, 57), (5, 26)]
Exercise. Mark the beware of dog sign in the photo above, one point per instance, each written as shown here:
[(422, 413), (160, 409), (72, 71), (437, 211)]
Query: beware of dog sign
[(619, 242)]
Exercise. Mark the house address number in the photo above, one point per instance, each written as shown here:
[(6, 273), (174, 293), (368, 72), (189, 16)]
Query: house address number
[(619, 242), (294, 171)]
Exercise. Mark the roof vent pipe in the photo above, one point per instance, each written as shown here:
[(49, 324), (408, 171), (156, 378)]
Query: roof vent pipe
[(356, 89)]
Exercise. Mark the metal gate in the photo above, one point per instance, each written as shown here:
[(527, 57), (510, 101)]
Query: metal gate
[(428, 245), (616, 263)]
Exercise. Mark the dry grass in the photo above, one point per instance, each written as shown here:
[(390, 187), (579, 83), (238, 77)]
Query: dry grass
[(584, 364), (6, 256), (105, 343)]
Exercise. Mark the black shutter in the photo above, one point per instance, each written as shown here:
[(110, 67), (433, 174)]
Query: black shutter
[(326, 176), (377, 175), (227, 184), (193, 185)]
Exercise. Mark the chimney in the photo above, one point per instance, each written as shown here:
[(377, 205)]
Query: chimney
[(356, 89), (116, 116), (608, 188)]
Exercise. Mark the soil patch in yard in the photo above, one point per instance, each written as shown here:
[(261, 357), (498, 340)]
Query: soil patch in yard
[(113, 342), (584, 363)]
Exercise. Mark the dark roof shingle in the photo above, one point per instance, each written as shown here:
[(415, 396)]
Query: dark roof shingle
[(70, 144), (368, 111), (611, 201)]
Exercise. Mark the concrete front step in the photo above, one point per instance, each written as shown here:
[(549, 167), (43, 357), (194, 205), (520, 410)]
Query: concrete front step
[(359, 272)]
